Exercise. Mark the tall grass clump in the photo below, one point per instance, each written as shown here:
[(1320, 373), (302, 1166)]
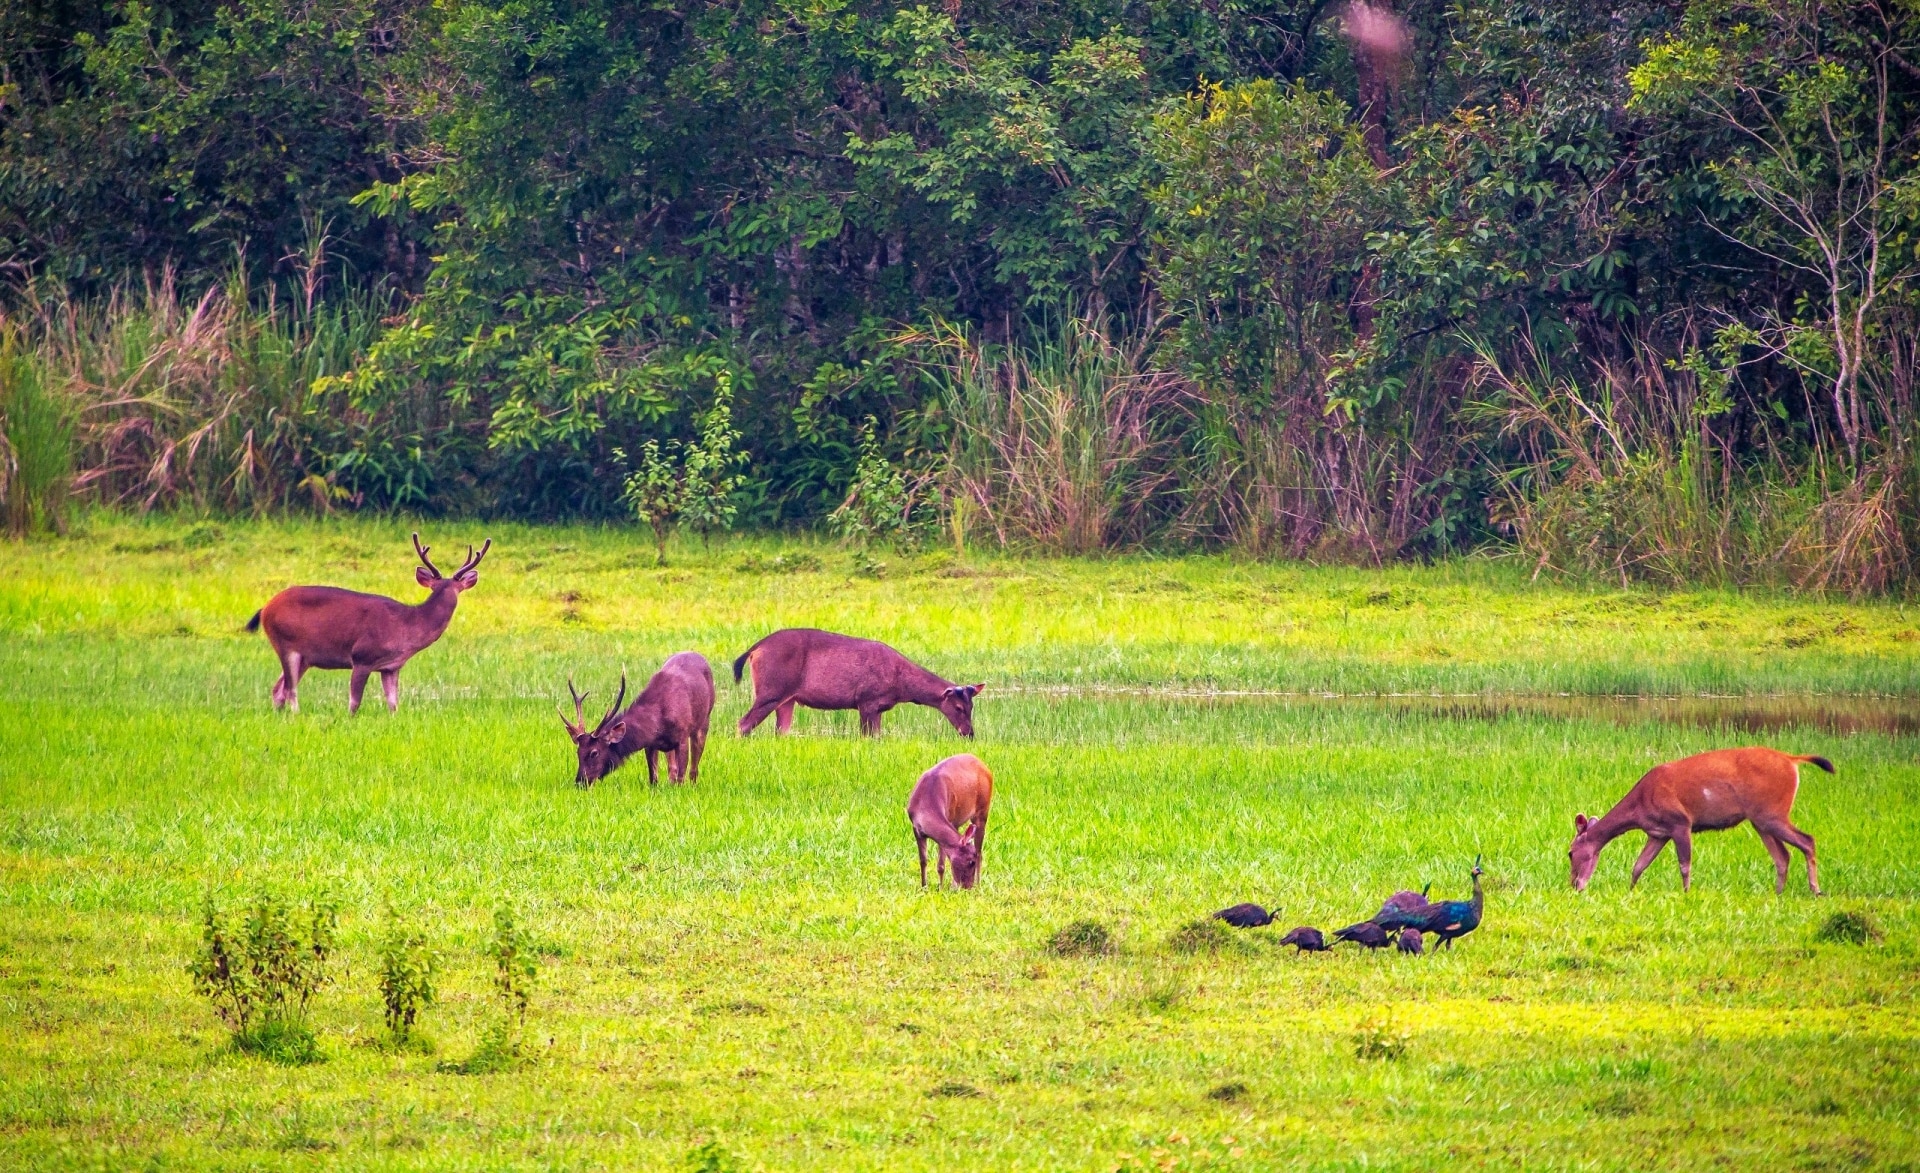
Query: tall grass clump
[(1066, 443), (514, 968), (209, 401), (1629, 474), (261, 975), (36, 442), (407, 970)]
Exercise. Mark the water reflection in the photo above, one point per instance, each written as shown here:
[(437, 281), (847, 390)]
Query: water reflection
[(1833, 714)]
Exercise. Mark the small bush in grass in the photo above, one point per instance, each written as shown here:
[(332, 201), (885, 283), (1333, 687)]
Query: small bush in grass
[(1201, 936), (1850, 928), (1227, 1093), (713, 1157), (1380, 1037), (514, 967), (407, 967), (954, 1091), (1082, 938), (261, 975)]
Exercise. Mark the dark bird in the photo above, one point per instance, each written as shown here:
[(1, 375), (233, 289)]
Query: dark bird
[(1447, 919), (1365, 933), (1411, 941), (1306, 940), (1404, 908), (1245, 916)]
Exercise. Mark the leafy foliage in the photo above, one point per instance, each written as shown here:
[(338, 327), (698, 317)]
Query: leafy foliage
[(261, 975), (407, 968)]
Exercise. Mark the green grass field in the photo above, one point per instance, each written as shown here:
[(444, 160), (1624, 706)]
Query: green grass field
[(750, 961)]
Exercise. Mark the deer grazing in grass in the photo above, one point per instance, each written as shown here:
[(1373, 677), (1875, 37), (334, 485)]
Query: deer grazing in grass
[(824, 670), (956, 792), (1706, 792), (669, 716), (330, 627)]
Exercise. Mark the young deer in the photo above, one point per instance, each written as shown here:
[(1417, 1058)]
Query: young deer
[(329, 627), (1706, 792), (955, 792)]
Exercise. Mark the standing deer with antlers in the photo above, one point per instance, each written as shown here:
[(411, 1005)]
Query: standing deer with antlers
[(330, 627)]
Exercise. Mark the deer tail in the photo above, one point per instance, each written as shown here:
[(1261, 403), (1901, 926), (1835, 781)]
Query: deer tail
[(1816, 759), (740, 662), (253, 624)]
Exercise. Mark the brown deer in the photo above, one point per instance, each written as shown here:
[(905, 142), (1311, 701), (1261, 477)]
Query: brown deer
[(330, 627), (670, 715), (1706, 792), (955, 792), (825, 670)]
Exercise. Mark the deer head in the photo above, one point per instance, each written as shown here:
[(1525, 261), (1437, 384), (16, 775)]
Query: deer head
[(599, 750), (957, 704), (1584, 853), (966, 862), (463, 579)]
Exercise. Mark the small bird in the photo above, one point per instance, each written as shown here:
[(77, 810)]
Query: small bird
[(1404, 908), (1245, 916), (1411, 941), (1306, 939), (1365, 933)]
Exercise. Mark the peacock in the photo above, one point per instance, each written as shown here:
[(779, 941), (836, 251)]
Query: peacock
[(1404, 908), (1411, 941), (1447, 919)]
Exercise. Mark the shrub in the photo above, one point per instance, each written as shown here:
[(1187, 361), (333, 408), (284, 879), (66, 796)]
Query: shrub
[(1850, 928), (406, 978), (713, 1157), (261, 977), (1082, 938), (1201, 936), (877, 503), (1380, 1037)]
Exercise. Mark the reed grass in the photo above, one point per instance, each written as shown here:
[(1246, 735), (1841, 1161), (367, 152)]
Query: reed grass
[(745, 970)]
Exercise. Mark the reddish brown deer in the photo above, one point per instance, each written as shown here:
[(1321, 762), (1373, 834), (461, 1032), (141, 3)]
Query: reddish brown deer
[(330, 627), (670, 715), (1706, 792), (955, 792), (824, 670)]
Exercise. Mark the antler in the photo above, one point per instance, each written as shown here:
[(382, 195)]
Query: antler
[(622, 695), (424, 560), (473, 559), (579, 721)]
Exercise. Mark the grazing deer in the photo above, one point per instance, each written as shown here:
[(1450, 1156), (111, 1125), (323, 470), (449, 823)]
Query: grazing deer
[(330, 627), (1706, 792), (954, 793), (670, 715), (823, 670)]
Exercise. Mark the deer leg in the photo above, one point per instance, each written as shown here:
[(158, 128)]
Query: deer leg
[(1683, 851), (783, 717), (677, 763), (757, 714), (1655, 845), (390, 685), (870, 722), (940, 849), (295, 670), (1789, 833), (699, 748), (920, 841), (356, 687), (653, 766), (1781, 860)]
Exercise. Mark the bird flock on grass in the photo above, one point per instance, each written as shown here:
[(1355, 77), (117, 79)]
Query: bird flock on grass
[(1406, 920)]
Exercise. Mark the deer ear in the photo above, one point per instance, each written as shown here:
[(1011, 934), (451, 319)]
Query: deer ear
[(1580, 823), (618, 732), (426, 577), (974, 690), (468, 580)]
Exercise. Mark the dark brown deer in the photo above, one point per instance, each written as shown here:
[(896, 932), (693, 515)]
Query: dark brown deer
[(956, 792), (330, 627), (1706, 792), (824, 670), (669, 716)]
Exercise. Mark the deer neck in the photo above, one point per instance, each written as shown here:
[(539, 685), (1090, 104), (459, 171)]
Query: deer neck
[(430, 618), (923, 687), (1624, 817)]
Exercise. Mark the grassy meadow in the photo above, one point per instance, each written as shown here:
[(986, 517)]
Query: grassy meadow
[(745, 973)]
